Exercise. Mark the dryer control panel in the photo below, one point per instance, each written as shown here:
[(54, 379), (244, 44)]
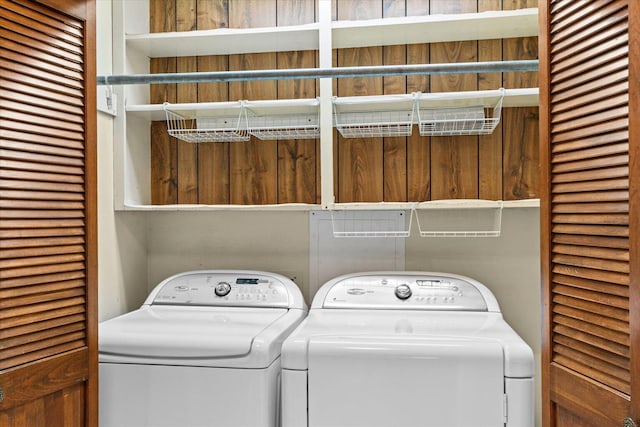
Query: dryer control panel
[(220, 289), (406, 292)]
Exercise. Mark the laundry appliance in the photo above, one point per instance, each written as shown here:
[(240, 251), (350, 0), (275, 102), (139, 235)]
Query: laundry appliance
[(203, 350), (406, 349)]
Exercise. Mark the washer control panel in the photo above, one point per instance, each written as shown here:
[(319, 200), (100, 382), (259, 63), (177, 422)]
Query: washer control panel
[(216, 289), (405, 292)]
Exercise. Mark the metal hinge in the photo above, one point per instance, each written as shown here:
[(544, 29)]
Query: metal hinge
[(628, 422), (505, 410)]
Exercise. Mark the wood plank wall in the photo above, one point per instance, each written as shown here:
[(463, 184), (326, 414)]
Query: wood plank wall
[(503, 165)]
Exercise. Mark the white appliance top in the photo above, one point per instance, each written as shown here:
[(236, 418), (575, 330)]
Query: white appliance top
[(405, 291), (207, 318), (358, 312), (224, 288)]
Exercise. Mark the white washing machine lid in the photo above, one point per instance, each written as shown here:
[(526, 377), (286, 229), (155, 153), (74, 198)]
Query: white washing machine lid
[(187, 335), (382, 331)]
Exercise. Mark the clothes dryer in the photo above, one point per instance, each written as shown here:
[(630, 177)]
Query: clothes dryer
[(406, 349), (203, 350)]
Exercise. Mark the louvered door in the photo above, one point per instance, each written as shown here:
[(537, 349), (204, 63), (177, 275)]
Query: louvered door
[(589, 340), (48, 360)]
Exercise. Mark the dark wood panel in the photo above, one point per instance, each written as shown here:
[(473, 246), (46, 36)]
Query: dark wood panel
[(164, 163), (603, 285), (592, 175), (613, 53), (592, 251), (253, 165), (30, 138), (418, 147), (594, 196), (298, 162), (394, 149), (360, 161), (22, 384), (618, 349), (590, 208), (213, 159), (580, 363), (593, 241), (521, 153), (454, 160), (490, 147)]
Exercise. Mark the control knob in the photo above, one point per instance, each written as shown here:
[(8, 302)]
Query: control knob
[(403, 291), (222, 289)]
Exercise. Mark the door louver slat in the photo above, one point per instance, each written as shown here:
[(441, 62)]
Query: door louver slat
[(42, 186), (589, 200)]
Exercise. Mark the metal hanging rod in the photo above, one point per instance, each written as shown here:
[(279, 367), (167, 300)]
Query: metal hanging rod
[(318, 73)]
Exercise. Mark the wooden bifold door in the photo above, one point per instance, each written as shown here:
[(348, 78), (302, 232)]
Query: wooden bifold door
[(48, 265), (590, 158)]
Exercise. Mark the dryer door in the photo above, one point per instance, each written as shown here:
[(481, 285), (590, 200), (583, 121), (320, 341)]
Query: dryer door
[(386, 381)]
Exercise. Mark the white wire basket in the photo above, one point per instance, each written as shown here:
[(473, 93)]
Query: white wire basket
[(283, 119), (459, 218), (370, 223), (207, 122), (374, 116), (459, 113)]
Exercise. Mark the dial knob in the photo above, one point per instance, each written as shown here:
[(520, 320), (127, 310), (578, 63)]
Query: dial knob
[(403, 291), (222, 289)]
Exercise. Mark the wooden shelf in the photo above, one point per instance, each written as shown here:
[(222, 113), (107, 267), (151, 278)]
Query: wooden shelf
[(154, 112), (368, 206), (225, 41), (345, 34), (436, 28)]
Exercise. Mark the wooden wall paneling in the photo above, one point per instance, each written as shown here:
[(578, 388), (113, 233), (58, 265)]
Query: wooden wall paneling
[(418, 147), (490, 146), (298, 163), (253, 164), (360, 160), (164, 149), (454, 160), (186, 20), (213, 158), (521, 153), (520, 125), (394, 148)]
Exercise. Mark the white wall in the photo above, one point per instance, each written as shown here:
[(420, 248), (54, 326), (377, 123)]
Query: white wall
[(271, 241), (122, 250)]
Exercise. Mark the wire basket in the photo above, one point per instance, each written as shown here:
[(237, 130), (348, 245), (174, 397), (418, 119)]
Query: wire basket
[(459, 113), (374, 116), (283, 119), (357, 223), (221, 124), (480, 219)]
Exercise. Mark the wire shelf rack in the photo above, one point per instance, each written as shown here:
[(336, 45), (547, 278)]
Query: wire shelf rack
[(283, 119), (453, 219), (447, 114), (220, 122), (374, 116), (355, 223)]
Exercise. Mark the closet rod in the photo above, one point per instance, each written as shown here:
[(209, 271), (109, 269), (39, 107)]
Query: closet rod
[(318, 73)]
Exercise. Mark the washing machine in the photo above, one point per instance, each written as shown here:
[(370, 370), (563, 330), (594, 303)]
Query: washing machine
[(406, 349), (203, 350)]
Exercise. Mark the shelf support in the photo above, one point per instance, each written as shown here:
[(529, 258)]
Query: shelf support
[(327, 196)]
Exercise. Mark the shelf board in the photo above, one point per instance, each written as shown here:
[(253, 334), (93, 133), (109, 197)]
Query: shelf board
[(345, 34), (527, 97), (225, 41), (369, 206), (436, 28)]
